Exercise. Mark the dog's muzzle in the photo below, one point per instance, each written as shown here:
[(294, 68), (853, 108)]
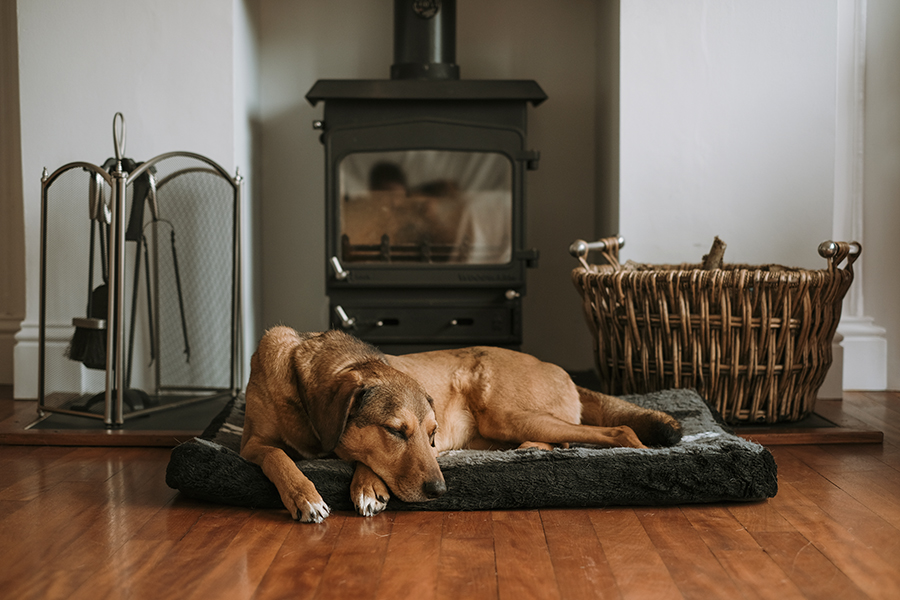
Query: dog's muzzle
[(434, 488)]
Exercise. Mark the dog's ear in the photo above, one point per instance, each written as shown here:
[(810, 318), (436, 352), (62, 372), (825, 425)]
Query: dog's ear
[(328, 410)]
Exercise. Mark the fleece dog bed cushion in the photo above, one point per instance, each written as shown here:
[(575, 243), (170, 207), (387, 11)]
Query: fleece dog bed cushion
[(708, 465)]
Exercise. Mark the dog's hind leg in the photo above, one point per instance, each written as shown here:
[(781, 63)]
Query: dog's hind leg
[(540, 446), (543, 430), (653, 427)]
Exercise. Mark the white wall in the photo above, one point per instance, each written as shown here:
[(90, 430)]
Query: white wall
[(728, 129), (167, 65)]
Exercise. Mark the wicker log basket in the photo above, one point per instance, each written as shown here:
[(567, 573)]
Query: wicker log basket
[(754, 341)]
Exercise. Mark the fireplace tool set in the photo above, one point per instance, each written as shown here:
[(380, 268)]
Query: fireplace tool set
[(175, 221)]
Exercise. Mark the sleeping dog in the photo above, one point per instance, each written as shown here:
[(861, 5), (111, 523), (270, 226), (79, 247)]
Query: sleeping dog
[(312, 395)]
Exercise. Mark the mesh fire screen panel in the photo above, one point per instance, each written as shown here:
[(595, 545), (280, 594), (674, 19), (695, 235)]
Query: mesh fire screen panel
[(193, 242)]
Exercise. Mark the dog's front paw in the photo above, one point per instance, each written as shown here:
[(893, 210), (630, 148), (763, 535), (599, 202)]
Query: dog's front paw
[(369, 493), (369, 505), (306, 509), (311, 512)]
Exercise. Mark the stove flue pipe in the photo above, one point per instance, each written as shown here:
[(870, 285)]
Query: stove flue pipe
[(424, 40)]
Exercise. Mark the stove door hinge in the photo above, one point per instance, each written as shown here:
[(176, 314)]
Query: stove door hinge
[(531, 158), (530, 257)]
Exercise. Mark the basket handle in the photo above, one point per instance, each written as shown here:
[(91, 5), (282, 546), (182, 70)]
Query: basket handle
[(608, 246), (836, 252)]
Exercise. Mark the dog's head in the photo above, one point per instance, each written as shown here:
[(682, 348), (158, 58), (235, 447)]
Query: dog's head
[(379, 416)]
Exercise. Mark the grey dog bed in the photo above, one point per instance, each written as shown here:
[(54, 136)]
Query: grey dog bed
[(708, 465)]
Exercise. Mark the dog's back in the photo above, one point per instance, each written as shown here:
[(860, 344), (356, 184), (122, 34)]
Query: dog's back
[(489, 397)]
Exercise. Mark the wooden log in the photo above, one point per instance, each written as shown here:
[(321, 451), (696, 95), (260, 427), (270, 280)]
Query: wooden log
[(715, 258)]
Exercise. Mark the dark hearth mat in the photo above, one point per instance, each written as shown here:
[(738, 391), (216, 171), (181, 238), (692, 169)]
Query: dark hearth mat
[(191, 417), (708, 465)]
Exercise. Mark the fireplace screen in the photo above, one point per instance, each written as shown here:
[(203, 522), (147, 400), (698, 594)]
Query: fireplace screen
[(426, 206)]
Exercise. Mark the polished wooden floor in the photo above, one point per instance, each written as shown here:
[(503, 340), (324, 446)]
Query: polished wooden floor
[(100, 522)]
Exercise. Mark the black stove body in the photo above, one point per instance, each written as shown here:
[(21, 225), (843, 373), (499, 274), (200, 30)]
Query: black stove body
[(425, 195)]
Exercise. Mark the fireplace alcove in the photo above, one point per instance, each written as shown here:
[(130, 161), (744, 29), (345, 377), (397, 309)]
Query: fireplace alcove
[(425, 178)]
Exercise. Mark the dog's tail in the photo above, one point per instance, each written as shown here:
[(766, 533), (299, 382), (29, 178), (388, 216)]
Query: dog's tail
[(654, 427)]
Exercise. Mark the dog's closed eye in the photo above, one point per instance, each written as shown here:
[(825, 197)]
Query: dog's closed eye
[(396, 432)]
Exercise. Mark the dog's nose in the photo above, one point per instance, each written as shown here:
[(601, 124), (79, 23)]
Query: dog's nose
[(434, 488)]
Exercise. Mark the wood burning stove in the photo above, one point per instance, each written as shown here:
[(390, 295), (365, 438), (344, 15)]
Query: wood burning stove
[(425, 193)]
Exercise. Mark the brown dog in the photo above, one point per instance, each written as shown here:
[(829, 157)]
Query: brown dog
[(315, 394)]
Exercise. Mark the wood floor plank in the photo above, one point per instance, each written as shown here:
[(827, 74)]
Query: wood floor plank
[(824, 459), (240, 565), (298, 566), (51, 584), (719, 528), (519, 539), (467, 524), (468, 566), (693, 567), (867, 526), (815, 576), (639, 570), (415, 540), (890, 400), (86, 515), (877, 490), (744, 567), (15, 464), (880, 455), (467, 569), (136, 561), (863, 565), (173, 521), (50, 523), (357, 560), (759, 516), (194, 554), (876, 417), (789, 465), (579, 562), (131, 497), (40, 470), (8, 507)]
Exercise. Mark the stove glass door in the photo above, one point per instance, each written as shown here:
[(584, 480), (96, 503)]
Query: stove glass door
[(425, 206)]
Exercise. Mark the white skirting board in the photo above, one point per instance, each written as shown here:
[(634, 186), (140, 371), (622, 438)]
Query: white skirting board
[(25, 362), (865, 354)]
